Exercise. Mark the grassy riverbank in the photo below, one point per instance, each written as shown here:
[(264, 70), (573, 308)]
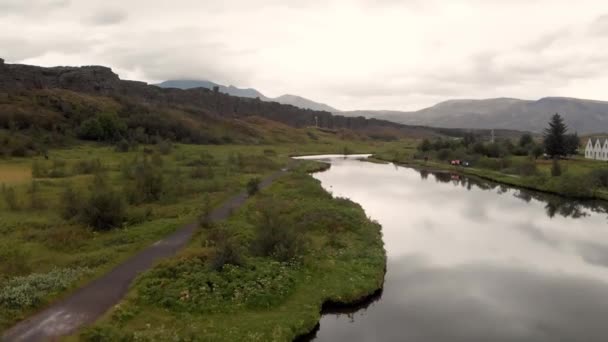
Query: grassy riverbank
[(577, 180), (262, 275), (49, 246)]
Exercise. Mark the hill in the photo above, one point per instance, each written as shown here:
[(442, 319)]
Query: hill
[(293, 100), (584, 116), (44, 107)]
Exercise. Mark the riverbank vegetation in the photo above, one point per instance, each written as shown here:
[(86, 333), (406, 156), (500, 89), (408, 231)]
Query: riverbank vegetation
[(75, 215), (552, 164), (261, 275)]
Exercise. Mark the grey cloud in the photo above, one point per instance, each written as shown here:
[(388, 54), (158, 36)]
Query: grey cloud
[(21, 7), (17, 49), (107, 17), (174, 55)]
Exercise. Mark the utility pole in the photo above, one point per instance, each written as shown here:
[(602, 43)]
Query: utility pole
[(317, 121), (492, 136)]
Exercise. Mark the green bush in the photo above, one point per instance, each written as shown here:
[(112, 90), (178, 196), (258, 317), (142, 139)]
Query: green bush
[(30, 291), (148, 182), (275, 237), (186, 286), (104, 210), (253, 186)]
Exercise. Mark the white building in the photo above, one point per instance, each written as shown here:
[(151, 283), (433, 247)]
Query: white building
[(597, 150)]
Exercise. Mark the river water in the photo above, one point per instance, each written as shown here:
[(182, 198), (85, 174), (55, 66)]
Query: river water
[(474, 261)]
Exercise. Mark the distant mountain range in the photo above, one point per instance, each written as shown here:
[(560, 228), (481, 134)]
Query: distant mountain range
[(293, 100), (584, 116)]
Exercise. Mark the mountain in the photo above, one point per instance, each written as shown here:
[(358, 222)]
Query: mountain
[(301, 102), (293, 100), (584, 116), (230, 90)]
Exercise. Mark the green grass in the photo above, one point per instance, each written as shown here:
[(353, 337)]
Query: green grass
[(575, 180), (265, 298), (36, 240)]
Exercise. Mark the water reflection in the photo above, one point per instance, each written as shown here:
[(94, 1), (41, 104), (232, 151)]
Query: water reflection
[(470, 260), (555, 205)]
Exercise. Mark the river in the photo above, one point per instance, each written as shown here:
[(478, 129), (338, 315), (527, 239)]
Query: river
[(470, 260)]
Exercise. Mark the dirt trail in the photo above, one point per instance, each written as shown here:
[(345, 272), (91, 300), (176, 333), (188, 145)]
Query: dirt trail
[(90, 302)]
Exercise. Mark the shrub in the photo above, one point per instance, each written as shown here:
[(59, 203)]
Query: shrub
[(226, 253), (253, 186), (148, 182), (228, 250), (104, 210), (275, 237), (29, 291)]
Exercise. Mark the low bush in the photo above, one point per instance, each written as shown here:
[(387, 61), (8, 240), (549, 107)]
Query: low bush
[(274, 236), (253, 186), (104, 210), (30, 291)]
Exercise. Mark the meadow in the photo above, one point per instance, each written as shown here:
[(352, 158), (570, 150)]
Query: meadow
[(54, 237)]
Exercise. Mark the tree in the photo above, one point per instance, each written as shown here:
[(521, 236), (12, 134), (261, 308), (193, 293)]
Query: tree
[(468, 139), (572, 142), (525, 140), (555, 140), (536, 151), (425, 146)]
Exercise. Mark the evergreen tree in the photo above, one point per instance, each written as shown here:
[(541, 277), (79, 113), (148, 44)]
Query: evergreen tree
[(572, 143), (555, 140)]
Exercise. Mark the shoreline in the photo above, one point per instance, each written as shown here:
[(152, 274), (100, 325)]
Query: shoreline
[(483, 174)]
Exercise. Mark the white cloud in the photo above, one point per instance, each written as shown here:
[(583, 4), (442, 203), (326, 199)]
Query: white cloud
[(358, 54)]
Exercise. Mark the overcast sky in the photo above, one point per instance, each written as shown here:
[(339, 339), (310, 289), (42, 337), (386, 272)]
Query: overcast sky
[(358, 54)]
